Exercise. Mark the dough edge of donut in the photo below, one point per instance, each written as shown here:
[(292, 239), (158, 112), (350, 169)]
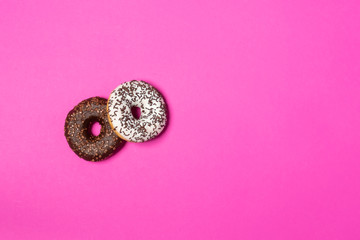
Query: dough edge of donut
[(111, 125)]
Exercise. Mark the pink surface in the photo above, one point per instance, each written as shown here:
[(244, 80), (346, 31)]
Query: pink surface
[(263, 138)]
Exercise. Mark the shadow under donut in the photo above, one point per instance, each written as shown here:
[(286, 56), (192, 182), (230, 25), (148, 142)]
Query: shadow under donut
[(122, 144)]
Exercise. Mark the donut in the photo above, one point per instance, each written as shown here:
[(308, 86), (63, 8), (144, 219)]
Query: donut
[(78, 133), (152, 106)]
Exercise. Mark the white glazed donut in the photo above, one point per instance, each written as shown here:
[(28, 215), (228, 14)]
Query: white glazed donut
[(153, 111)]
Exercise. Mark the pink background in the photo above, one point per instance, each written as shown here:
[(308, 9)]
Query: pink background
[(263, 138)]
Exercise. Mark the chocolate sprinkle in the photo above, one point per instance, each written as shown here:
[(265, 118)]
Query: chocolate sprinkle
[(78, 134), (153, 111)]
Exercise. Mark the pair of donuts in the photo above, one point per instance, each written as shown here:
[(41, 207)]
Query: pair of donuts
[(118, 124)]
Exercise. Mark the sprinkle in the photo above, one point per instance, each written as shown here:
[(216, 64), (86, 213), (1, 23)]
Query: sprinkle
[(79, 137)]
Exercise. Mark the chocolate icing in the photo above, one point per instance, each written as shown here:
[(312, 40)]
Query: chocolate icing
[(78, 135)]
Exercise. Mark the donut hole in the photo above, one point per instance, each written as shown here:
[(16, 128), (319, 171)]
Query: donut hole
[(136, 112), (95, 128)]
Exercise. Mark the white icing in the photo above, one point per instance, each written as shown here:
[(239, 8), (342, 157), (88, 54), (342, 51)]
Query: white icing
[(153, 111)]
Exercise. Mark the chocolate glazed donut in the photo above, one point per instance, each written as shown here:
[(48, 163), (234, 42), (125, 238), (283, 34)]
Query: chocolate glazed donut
[(78, 133)]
